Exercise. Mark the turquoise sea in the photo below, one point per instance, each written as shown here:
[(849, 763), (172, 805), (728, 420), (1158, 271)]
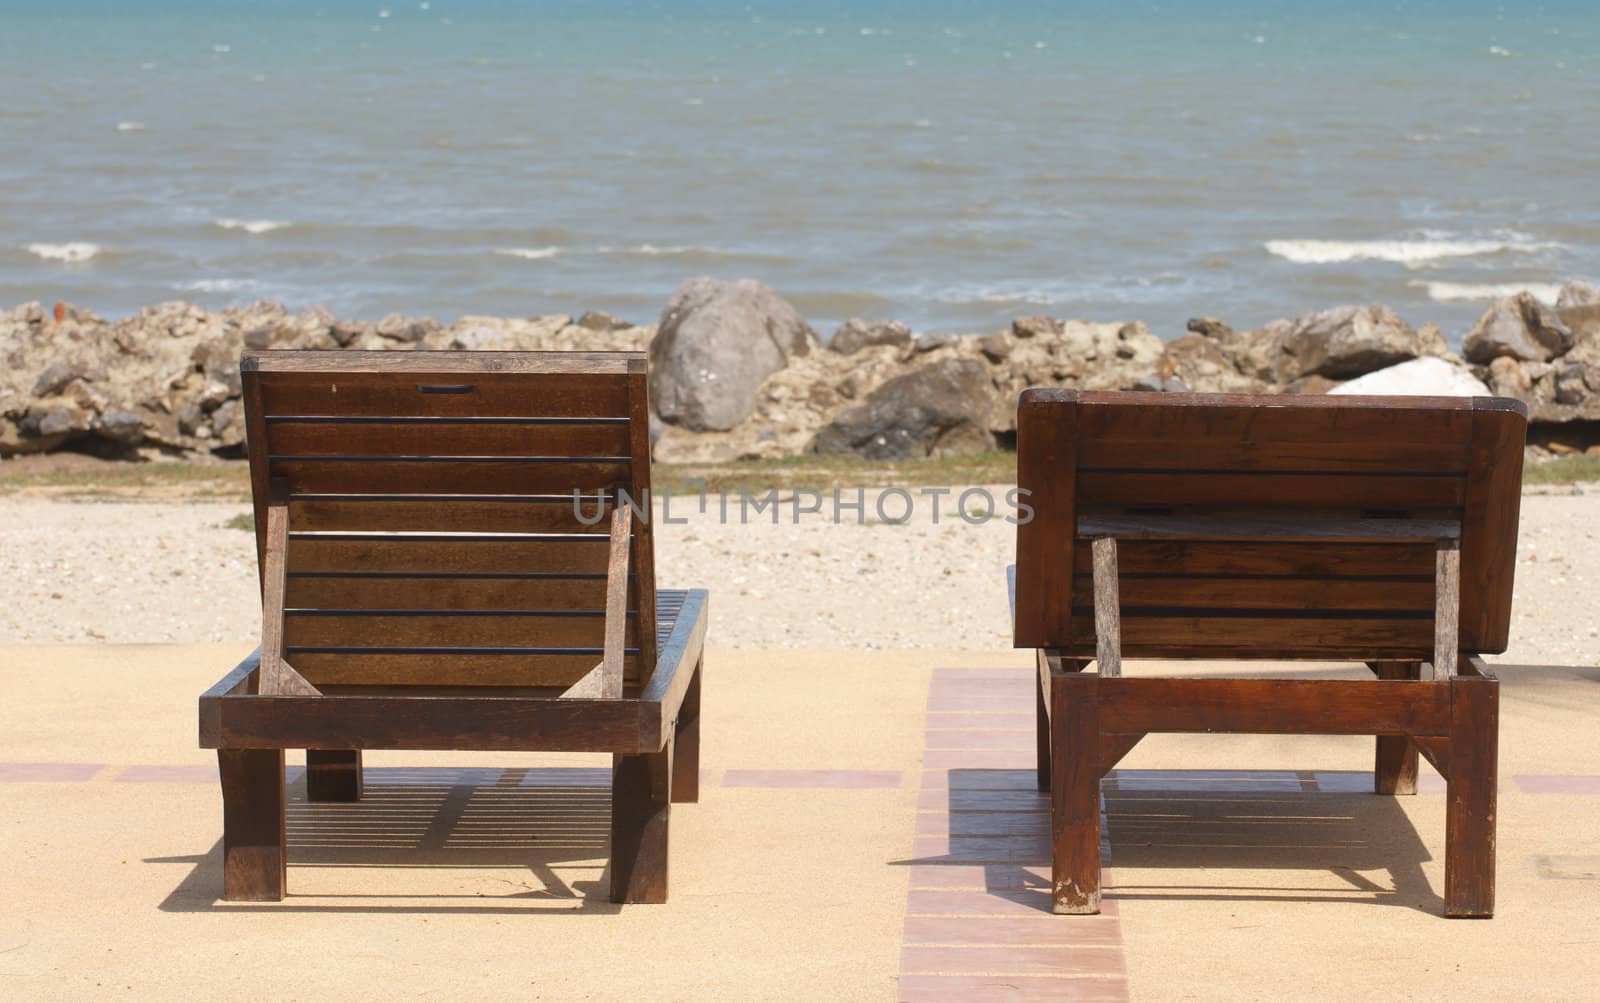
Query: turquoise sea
[(950, 164)]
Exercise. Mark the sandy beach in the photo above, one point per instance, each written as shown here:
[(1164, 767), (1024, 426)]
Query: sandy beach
[(149, 572)]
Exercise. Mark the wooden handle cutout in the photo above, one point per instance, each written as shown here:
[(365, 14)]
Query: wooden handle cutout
[(446, 388)]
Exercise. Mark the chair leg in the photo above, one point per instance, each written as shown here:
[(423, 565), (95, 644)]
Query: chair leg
[(1075, 794), (1470, 809), (333, 774), (641, 804), (1041, 725), (1394, 764), (686, 742), (253, 830)]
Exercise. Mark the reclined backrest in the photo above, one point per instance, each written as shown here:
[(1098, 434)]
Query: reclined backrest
[(433, 533), (1094, 456)]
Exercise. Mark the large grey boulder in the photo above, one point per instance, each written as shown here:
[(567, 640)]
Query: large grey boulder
[(1343, 342), (1428, 377), (939, 408), (1519, 327), (718, 342), (1577, 293), (855, 334)]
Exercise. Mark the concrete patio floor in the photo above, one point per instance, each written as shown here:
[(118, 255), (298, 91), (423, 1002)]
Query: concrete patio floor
[(868, 829)]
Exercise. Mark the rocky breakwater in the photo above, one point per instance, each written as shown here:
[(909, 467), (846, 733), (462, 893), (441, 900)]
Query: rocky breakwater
[(736, 371)]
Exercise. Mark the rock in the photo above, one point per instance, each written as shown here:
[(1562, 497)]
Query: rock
[(595, 320), (55, 378), (1312, 385), (1425, 377), (1155, 384), (1508, 379), (1201, 362), (123, 427), (1211, 327), (855, 334), (1577, 293), (718, 341), (930, 342), (1571, 384), (995, 347), (397, 327), (1343, 342), (343, 332), (941, 406), (1028, 327), (1519, 327)]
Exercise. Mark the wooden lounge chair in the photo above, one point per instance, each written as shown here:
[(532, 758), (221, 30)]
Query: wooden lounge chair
[(428, 582), (1380, 529)]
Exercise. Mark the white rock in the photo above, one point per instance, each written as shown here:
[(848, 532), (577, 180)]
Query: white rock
[(1429, 376)]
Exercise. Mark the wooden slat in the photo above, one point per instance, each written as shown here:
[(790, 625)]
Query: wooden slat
[(1266, 527), (1374, 638), (397, 394), (1283, 491), (1046, 469), (446, 476), (615, 623), (1489, 536), (407, 592), (277, 677), (1270, 593), (1274, 706), (456, 363), (465, 723), (1447, 610), (446, 438), (448, 513), (1256, 437), (465, 630), (388, 669), (1107, 626), (1297, 560), (642, 557), (494, 554)]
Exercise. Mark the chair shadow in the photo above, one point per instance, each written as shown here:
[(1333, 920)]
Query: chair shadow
[(411, 818), (1199, 821)]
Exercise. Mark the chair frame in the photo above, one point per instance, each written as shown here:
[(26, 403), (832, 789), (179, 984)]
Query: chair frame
[(1445, 708)]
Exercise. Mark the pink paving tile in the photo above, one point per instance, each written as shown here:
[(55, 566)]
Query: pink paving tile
[(980, 877), (167, 775), (984, 700), (60, 773), (1029, 849), (1000, 902), (940, 675), (980, 759), (812, 779), (1008, 720), (1043, 930), (1572, 783), (960, 799), (1008, 740), (983, 823), (962, 778), (1360, 782), (1018, 959), (1008, 989)]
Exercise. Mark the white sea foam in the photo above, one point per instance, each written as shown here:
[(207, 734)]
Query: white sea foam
[(73, 252), (251, 226), (1499, 50), (1446, 292), (1404, 252), (530, 253), (219, 285), (130, 126)]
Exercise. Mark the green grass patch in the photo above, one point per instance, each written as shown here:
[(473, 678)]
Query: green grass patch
[(1562, 470), (244, 520)]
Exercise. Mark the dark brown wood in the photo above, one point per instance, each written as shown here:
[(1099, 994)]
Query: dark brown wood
[(333, 775), (686, 742), (1193, 527), (641, 805), (1274, 706), (1469, 839), (1075, 794), (1394, 767), (433, 533), (1046, 473), (254, 834), (1489, 534), (1294, 528), (557, 513)]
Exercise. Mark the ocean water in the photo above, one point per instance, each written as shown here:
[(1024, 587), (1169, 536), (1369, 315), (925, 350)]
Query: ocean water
[(950, 164)]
